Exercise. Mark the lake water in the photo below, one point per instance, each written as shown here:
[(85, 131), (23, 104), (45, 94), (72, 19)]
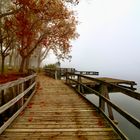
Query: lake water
[(132, 106)]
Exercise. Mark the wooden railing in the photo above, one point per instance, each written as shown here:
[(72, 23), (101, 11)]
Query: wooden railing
[(22, 90), (87, 72), (58, 73), (103, 97)]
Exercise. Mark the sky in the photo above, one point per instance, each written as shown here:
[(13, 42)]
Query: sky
[(109, 39)]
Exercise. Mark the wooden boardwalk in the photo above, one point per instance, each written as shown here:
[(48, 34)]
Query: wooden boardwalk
[(58, 112)]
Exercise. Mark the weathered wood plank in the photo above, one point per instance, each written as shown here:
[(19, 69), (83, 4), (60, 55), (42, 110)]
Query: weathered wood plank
[(62, 136), (61, 130)]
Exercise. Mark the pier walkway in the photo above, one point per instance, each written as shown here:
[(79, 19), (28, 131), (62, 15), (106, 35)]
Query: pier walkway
[(57, 112)]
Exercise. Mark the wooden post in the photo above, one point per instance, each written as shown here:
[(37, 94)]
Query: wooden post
[(101, 102), (1, 103), (18, 92), (104, 92), (131, 86), (2, 99), (82, 89), (55, 73), (79, 80), (67, 76), (22, 89)]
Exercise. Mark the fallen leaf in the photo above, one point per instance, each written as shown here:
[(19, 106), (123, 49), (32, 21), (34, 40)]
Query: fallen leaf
[(21, 113), (30, 119)]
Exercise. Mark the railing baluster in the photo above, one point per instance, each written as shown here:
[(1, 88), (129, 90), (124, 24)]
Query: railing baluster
[(101, 101), (22, 89), (79, 81)]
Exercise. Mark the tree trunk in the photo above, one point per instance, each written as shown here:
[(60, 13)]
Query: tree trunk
[(2, 64), (27, 63), (17, 60), (39, 61), (22, 65), (10, 58)]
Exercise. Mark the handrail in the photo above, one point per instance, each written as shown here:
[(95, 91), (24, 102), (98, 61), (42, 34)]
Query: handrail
[(57, 73), (79, 85), (29, 92), (87, 72)]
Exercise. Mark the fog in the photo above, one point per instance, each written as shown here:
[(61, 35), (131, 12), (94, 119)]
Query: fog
[(109, 39)]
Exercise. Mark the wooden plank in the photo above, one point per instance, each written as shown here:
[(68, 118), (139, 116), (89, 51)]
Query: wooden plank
[(66, 133), (60, 130), (62, 136)]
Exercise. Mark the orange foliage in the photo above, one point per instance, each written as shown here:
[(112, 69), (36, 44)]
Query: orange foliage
[(48, 23)]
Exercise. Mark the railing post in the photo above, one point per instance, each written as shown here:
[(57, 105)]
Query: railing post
[(67, 76), (79, 81), (2, 100), (18, 92), (59, 73), (55, 75), (2, 97), (101, 101), (108, 106), (22, 89), (104, 92)]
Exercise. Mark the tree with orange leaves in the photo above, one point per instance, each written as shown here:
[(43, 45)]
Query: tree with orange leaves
[(42, 20)]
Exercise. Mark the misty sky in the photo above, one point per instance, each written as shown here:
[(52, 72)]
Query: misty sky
[(109, 39)]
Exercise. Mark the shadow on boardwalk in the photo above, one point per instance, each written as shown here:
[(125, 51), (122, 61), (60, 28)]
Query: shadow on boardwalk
[(57, 112)]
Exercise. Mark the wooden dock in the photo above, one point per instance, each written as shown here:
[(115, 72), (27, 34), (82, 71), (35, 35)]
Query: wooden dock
[(122, 83), (57, 112)]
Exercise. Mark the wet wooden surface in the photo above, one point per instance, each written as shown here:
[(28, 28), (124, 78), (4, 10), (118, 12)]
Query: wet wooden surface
[(56, 112)]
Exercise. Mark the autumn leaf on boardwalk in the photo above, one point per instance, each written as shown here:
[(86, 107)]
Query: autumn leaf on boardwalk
[(30, 105), (100, 122), (40, 88), (21, 113), (30, 119), (42, 102)]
